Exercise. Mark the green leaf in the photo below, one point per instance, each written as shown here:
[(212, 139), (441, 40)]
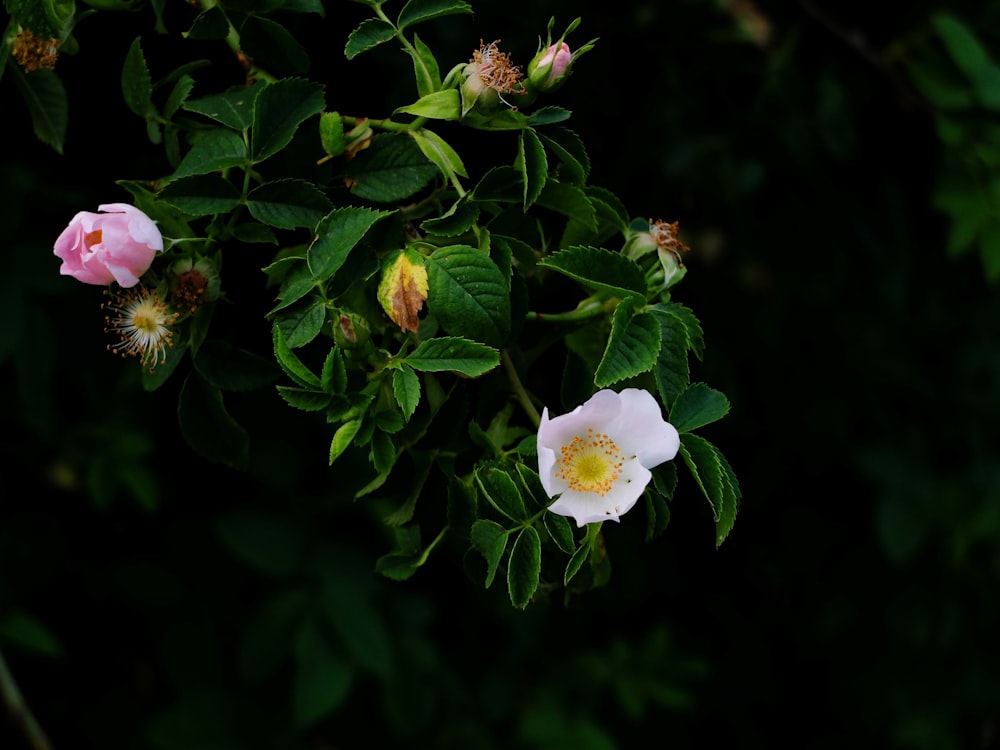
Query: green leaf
[(467, 294), (207, 426), (730, 501), (296, 281), (290, 363), (458, 219), (356, 622), (438, 105), (371, 33), (336, 235), (288, 204), (304, 399), (406, 389), (698, 405), (383, 452), (576, 560), (453, 354), (502, 184), (702, 460), (438, 151), (680, 332), (268, 542), (672, 371), (568, 147), (658, 514), (137, 84), (392, 168), (599, 269), (201, 195), (48, 104), (29, 633), (178, 95), (548, 116), (633, 346), (612, 217), (343, 438), (333, 378), (230, 368), (963, 46), (500, 491), (234, 108), (490, 539), (209, 24), (692, 327), (533, 165), (331, 133), (303, 321), (278, 110), (524, 567), (268, 635), (561, 531), (570, 201), (425, 67), (417, 11), (265, 39), (215, 150), (323, 678)]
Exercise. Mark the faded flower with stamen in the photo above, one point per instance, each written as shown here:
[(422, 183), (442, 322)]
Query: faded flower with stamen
[(141, 320), (596, 459), (33, 52), (489, 75), (660, 236), (193, 283)]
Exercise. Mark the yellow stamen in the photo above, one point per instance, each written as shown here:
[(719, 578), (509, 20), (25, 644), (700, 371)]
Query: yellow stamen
[(590, 463)]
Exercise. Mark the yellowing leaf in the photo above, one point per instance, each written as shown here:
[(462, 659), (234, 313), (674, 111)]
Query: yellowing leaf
[(403, 289)]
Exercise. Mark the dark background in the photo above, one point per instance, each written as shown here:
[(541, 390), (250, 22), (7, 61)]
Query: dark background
[(855, 600)]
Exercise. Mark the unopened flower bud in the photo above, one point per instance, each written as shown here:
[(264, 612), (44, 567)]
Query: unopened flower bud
[(350, 330), (553, 62), (549, 67)]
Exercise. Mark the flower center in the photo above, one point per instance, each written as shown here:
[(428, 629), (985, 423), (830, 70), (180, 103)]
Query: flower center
[(141, 321), (590, 463), (496, 69), (190, 291), (93, 238)]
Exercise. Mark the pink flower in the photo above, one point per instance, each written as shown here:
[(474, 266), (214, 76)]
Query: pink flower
[(118, 245)]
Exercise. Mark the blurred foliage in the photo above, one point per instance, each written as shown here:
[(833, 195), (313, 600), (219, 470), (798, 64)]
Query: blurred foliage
[(836, 167)]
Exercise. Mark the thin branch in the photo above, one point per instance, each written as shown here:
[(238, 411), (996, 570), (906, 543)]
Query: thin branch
[(18, 710)]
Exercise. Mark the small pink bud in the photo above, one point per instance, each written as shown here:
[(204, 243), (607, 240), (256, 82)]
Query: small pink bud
[(558, 56)]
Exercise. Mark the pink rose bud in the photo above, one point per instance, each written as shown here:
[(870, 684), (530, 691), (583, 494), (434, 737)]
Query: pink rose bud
[(118, 245), (554, 61), (559, 57)]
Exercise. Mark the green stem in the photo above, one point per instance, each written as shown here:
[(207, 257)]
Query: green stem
[(387, 123), (589, 308), (233, 40), (402, 39), (19, 711), (519, 392)]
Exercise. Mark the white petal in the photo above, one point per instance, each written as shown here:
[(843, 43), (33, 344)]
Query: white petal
[(546, 472), (589, 507), (642, 431), (597, 413)]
